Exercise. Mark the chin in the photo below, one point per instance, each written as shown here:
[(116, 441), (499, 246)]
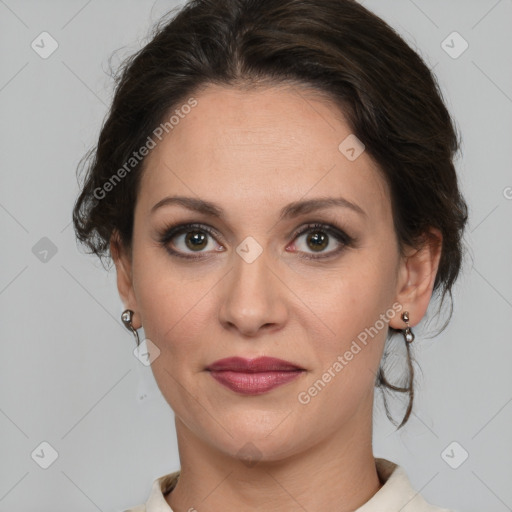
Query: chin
[(251, 446)]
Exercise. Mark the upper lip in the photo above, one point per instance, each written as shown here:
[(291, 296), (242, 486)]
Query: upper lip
[(260, 364)]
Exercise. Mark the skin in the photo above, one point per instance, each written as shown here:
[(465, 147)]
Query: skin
[(252, 153)]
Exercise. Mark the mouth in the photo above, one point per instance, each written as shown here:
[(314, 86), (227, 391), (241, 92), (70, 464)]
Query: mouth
[(260, 364), (253, 376)]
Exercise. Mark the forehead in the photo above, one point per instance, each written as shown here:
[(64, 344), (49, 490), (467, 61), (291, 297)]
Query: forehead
[(265, 146)]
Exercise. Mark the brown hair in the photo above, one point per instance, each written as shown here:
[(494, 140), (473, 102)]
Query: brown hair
[(387, 93)]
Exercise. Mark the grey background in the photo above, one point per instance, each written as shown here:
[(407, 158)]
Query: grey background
[(67, 372)]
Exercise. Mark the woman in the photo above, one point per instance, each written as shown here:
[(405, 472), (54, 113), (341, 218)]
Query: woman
[(275, 185)]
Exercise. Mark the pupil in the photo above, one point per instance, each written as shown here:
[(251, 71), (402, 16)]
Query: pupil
[(318, 238), (196, 236)]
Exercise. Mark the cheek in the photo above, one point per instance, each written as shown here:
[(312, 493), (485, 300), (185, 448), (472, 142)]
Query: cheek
[(354, 295), (355, 307), (173, 312), (177, 312), (348, 357), (163, 294)]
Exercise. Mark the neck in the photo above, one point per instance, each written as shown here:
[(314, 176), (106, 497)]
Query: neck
[(340, 470)]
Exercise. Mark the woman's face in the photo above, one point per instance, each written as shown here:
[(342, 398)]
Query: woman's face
[(251, 287)]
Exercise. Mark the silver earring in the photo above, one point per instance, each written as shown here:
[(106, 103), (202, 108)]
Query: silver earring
[(407, 332), (126, 317)]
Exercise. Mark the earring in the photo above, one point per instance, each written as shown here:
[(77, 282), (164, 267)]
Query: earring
[(407, 332), (126, 317)]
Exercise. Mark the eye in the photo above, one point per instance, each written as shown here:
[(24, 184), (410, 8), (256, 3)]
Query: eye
[(188, 237), (319, 237), (185, 239)]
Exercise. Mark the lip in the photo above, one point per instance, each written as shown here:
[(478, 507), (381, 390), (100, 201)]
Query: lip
[(260, 364), (253, 376)]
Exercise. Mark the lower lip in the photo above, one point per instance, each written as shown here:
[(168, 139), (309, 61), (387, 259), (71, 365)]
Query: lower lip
[(254, 383)]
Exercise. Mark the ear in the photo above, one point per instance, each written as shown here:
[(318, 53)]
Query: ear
[(123, 262), (417, 274)]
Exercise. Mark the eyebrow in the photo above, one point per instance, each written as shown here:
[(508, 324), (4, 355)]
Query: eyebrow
[(289, 211)]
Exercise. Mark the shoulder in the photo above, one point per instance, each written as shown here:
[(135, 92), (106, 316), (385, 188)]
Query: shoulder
[(397, 492), (156, 501)]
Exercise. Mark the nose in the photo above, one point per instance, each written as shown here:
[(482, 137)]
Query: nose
[(254, 297)]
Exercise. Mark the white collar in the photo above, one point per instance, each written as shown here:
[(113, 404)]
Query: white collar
[(395, 495)]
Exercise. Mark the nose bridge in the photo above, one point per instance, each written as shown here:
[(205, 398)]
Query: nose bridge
[(252, 264), (253, 298)]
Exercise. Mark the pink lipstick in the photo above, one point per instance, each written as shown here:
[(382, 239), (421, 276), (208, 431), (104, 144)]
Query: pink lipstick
[(253, 376)]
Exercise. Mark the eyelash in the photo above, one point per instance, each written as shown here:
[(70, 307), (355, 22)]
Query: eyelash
[(170, 232)]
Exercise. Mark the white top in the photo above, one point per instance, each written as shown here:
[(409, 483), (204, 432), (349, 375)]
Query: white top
[(395, 495)]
